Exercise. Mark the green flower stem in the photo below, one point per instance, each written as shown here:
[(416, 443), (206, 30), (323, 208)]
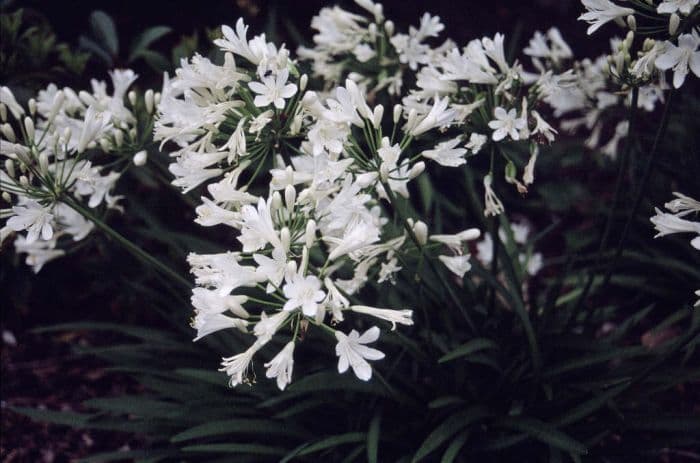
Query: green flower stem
[(616, 199), (131, 247), (431, 264), (642, 189)]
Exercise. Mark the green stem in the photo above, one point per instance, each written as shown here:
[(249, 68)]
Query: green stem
[(131, 247), (431, 264), (616, 199)]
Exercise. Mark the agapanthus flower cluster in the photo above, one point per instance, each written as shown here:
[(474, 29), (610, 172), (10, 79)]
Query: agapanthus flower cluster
[(662, 38), (678, 218), (66, 148), (319, 231), (517, 241), (492, 102)]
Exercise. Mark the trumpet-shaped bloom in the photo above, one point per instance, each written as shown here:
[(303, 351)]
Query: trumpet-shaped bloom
[(352, 352)]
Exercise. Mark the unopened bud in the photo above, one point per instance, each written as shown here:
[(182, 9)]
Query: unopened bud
[(416, 170), (310, 233), (58, 100), (140, 158), (44, 162), (105, 145), (29, 128), (3, 112), (290, 197), (673, 23), (118, 138), (632, 23), (276, 202), (86, 98), (23, 180), (285, 238), (420, 229), (10, 168), (384, 171), (67, 133), (648, 44), (389, 28), (377, 116), (304, 259), (156, 98), (8, 132), (398, 109), (132, 97), (372, 29), (302, 82), (32, 106), (148, 99), (6, 196)]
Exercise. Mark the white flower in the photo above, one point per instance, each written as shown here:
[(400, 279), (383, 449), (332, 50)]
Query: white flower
[(454, 242), (494, 206), (404, 317), (208, 323), (681, 57), (476, 142), (271, 269), (459, 265), (303, 291), (599, 12), (438, 116), (237, 366), (268, 326), (446, 154), (352, 352), (667, 224), (506, 124), (273, 89), (281, 366), (542, 127), (683, 204), (671, 6), (387, 270), (34, 218)]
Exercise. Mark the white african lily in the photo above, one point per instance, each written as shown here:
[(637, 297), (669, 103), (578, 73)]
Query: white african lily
[(600, 12), (681, 57), (446, 153), (352, 352), (672, 6), (303, 291), (273, 90), (506, 124), (34, 218), (459, 265), (281, 366), (403, 317)]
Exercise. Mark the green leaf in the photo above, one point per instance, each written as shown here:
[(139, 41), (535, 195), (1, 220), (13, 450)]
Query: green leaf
[(154, 59), (253, 449), (330, 442), (96, 49), (453, 449), (145, 39), (545, 433), (373, 438), (449, 428), (239, 426), (66, 418), (470, 347), (105, 31)]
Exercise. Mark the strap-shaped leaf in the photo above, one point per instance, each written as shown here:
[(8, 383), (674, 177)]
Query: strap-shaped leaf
[(546, 433), (468, 348), (105, 31), (449, 428)]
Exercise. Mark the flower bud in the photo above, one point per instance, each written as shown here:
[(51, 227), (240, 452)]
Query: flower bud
[(132, 97), (140, 158), (276, 202), (23, 180), (673, 23), (58, 100), (285, 238), (384, 171), (310, 233), (44, 162), (67, 133), (32, 106), (290, 197), (398, 109), (377, 116), (632, 23), (118, 138), (156, 98), (372, 29), (148, 99), (8, 132), (10, 168), (304, 260), (3, 112), (29, 129), (416, 170), (389, 28), (6, 196), (420, 229), (86, 98), (105, 145), (302, 82)]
